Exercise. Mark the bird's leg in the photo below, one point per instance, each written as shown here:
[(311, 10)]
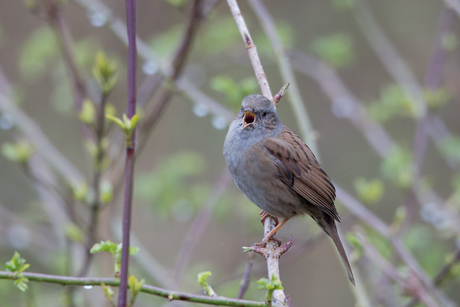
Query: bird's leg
[(264, 215), (271, 234)]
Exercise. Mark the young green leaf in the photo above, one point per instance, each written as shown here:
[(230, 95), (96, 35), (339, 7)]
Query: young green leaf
[(203, 282), (18, 152), (104, 246), (88, 112), (127, 125), (108, 292), (369, 191), (270, 286), (135, 287), (74, 233), (398, 167), (105, 72), (18, 265), (336, 49), (115, 250)]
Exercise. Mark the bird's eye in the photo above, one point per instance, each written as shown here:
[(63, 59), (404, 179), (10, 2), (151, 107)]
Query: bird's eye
[(264, 114)]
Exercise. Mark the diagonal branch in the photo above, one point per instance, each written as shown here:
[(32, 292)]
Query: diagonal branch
[(272, 253), (251, 49), (287, 73)]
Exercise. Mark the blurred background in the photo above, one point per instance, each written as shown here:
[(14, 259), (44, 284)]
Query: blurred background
[(384, 115)]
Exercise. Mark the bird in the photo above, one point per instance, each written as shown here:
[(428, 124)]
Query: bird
[(278, 172)]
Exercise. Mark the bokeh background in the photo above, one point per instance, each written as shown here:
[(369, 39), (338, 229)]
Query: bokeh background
[(181, 191)]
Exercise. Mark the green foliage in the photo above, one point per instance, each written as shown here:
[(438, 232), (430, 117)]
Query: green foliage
[(19, 152), (94, 150), (115, 250), (106, 193), (285, 34), (165, 43), (234, 92), (203, 282), (173, 187), (110, 109), (379, 242), (270, 286), (336, 49), (18, 265), (2, 36), (400, 216), (218, 36), (105, 72), (62, 93), (80, 192), (426, 247), (450, 147), (343, 4), (456, 187), (358, 247), (40, 48), (134, 286), (398, 167), (179, 4), (393, 102), (88, 112), (449, 41), (74, 233), (127, 125), (437, 98), (369, 191), (108, 292)]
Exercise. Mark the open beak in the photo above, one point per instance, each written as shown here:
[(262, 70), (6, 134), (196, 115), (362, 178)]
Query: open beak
[(249, 117)]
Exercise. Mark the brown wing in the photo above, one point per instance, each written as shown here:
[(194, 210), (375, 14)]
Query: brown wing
[(300, 170)]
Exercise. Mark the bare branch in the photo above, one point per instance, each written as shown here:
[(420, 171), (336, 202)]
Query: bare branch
[(287, 73), (251, 48)]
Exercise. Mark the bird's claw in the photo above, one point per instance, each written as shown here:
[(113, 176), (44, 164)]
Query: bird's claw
[(264, 215)]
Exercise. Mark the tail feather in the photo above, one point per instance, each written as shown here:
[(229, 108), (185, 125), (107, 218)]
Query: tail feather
[(332, 232)]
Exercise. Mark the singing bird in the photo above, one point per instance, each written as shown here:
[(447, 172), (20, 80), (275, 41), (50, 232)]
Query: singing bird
[(278, 172)]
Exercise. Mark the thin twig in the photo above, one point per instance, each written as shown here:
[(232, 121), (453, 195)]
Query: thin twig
[(409, 284), (432, 79), (287, 73), (169, 295), (130, 150), (366, 216), (166, 70), (67, 46), (151, 266), (454, 5), (157, 104), (398, 69), (251, 49), (43, 145), (199, 225), (352, 108), (392, 61), (344, 101), (244, 285), (270, 254)]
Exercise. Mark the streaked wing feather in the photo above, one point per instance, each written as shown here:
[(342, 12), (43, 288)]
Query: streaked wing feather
[(300, 170)]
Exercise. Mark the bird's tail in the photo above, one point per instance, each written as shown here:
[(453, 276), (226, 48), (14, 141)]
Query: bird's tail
[(332, 232)]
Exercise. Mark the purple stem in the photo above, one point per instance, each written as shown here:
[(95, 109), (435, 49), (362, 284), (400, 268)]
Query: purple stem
[(431, 83), (432, 79), (129, 166)]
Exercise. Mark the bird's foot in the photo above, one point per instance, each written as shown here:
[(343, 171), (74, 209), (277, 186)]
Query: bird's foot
[(268, 237), (264, 215), (264, 250)]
